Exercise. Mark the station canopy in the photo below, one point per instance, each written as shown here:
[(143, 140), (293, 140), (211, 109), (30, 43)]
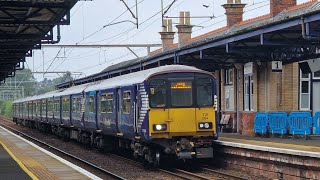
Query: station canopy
[(25, 25), (291, 36)]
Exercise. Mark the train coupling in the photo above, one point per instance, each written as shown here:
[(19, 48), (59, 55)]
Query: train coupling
[(199, 153)]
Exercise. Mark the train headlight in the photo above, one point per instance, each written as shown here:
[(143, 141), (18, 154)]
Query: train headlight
[(205, 125), (159, 127)]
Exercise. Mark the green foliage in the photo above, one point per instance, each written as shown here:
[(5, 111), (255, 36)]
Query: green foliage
[(24, 78), (48, 85), (6, 109)]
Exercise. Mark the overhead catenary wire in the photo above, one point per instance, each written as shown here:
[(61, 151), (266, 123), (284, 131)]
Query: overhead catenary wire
[(119, 35), (93, 32)]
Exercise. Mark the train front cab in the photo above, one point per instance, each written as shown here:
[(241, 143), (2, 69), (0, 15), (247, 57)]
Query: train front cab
[(181, 109)]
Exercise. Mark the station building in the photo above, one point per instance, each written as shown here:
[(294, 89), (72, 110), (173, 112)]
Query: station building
[(266, 86), (247, 88)]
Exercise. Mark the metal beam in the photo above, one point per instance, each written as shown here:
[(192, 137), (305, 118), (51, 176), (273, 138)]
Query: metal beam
[(133, 52), (99, 45)]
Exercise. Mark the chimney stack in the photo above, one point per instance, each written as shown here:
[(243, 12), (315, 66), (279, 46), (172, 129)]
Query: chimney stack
[(277, 6), (234, 11), (167, 35), (184, 28)]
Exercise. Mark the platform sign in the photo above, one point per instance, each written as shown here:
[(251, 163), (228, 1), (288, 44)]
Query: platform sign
[(248, 68), (276, 66)]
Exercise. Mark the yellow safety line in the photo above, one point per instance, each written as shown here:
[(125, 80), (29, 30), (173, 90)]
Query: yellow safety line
[(23, 167)]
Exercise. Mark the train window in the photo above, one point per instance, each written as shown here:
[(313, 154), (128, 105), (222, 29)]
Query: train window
[(74, 104), (110, 102), (66, 104), (181, 93), (91, 104), (56, 106), (79, 104), (34, 108), (50, 108), (39, 107), (158, 89), (43, 106), (103, 103), (126, 103), (204, 92)]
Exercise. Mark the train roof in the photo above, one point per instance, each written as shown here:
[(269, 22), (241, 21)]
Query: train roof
[(73, 90), (124, 80), (139, 77)]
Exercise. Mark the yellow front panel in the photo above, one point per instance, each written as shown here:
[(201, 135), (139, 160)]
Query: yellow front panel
[(158, 116), (182, 120), (206, 115)]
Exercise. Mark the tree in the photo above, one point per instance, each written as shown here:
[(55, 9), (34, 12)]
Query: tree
[(24, 78)]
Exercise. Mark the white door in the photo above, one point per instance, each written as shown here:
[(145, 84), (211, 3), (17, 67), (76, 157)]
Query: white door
[(316, 97)]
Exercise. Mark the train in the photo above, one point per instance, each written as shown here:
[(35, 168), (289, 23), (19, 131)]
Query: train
[(167, 111)]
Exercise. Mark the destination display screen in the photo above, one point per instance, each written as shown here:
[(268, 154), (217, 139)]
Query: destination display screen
[(181, 85)]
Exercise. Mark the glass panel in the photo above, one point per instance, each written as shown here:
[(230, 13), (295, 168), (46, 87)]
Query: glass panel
[(78, 104), (126, 102), (316, 74), (66, 105), (204, 92), (91, 104), (56, 106), (110, 103), (304, 86), (246, 102), (305, 101), (103, 103), (304, 75), (229, 98), (158, 90), (181, 94), (74, 104)]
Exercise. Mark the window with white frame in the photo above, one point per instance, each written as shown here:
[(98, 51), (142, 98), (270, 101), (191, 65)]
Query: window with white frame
[(304, 91), (228, 76), (229, 97), (248, 93), (316, 75)]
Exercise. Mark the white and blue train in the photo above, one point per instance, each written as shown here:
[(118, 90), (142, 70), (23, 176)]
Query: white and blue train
[(168, 110)]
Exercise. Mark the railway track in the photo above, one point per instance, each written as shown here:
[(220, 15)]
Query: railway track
[(74, 158), (224, 174), (183, 174), (174, 172)]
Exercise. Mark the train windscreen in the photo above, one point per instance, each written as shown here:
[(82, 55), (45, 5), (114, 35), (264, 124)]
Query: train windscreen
[(181, 92)]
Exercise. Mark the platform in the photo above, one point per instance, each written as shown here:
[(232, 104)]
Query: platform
[(300, 147), (34, 162), (9, 167)]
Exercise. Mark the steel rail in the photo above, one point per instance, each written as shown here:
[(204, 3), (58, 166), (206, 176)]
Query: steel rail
[(224, 173), (62, 152)]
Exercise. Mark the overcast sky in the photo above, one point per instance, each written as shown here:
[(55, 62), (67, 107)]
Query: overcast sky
[(89, 17)]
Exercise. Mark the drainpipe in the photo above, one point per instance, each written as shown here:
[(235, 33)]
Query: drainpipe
[(58, 37)]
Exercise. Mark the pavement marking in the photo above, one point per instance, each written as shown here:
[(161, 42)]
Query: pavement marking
[(22, 166), (73, 166)]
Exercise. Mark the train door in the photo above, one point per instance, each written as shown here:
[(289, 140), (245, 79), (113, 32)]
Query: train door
[(96, 109), (182, 114), (126, 100), (91, 116), (119, 108)]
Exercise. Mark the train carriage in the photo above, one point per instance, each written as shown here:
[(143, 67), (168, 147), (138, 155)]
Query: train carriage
[(165, 110)]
